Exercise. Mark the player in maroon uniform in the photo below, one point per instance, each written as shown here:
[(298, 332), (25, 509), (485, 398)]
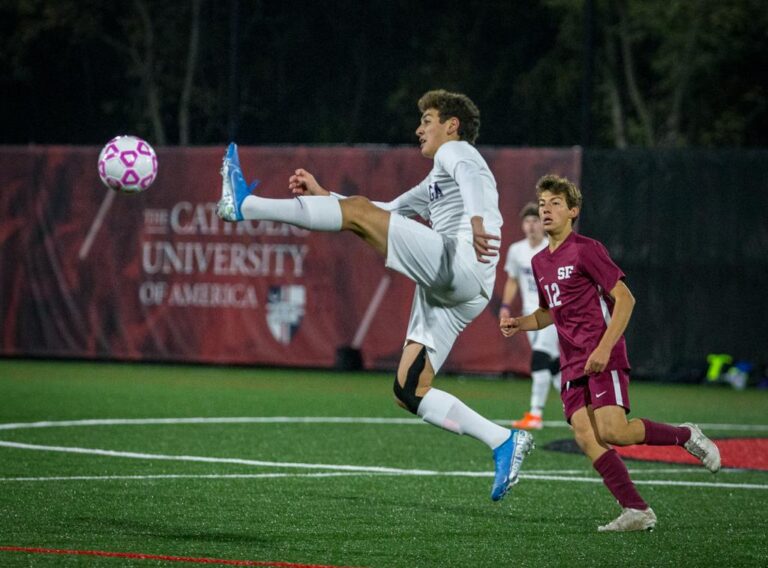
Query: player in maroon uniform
[(583, 293)]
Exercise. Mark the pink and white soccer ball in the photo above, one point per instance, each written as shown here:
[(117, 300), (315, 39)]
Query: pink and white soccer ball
[(127, 164)]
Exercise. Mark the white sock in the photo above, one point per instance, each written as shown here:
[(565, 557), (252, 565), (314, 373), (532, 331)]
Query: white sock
[(444, 410), (540, 389), (556, 381), (314, 212)]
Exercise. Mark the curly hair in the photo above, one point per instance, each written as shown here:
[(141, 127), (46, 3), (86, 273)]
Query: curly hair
[(560, 186), (457, 105)]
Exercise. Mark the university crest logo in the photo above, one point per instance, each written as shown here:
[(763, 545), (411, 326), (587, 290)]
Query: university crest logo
[(285, 309)]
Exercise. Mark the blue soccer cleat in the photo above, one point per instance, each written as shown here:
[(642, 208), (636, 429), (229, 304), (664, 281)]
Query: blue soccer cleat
[(508, 459), (233, 188)]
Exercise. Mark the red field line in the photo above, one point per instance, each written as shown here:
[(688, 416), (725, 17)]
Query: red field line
[(139, 556)]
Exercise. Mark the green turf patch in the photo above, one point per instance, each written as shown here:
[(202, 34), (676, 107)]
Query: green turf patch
[(278, 491)]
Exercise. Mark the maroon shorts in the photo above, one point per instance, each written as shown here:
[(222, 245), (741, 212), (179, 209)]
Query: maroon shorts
[(609, 388)]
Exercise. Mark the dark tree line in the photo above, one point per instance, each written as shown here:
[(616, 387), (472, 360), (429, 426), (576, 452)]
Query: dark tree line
[(613, 73)]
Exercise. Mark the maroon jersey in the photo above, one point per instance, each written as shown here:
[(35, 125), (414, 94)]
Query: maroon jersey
[(573, 283)]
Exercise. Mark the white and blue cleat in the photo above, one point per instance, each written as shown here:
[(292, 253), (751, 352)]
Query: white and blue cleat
[(234, 190), (508, 459)]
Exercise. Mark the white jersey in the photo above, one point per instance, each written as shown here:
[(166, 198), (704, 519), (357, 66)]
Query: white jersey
[(518, 266), (459, 187)]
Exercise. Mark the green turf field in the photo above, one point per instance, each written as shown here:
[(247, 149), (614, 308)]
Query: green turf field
[(347, 493)]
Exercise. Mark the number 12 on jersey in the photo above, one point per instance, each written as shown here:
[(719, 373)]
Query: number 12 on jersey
[(553, 294)]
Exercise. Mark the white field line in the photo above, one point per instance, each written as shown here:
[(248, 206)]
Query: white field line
[(340, 468), (298, 420), (161, 476), (529, 473), (214, 420), (532, 477), (662, 482), (682, 468), (207, 459), (702, 425), (335, 470)]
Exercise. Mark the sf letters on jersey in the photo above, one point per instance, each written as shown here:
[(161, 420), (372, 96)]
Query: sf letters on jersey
[(564, 272)]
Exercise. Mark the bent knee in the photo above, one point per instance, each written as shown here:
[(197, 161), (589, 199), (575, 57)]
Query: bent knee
[(405, 396), (355, 206), (406, 387), (399, 402), (360, 215), (615, 435)]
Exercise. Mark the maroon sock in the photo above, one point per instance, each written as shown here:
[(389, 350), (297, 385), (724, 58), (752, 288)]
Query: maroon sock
[(616, 479), (658, 434)]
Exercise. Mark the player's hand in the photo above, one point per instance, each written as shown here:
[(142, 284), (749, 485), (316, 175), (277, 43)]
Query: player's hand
[(483, 246), (504, 312), (482, 241), (597, 361), (509, 326), (304, 183)]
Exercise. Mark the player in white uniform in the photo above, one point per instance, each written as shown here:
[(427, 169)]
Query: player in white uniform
[(453, 263), (545, 351)]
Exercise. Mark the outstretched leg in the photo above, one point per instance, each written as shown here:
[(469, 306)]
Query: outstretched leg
[(316, 213)]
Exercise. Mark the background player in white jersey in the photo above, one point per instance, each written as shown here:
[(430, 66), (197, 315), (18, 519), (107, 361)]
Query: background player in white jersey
[(453, 263), (545, 353)]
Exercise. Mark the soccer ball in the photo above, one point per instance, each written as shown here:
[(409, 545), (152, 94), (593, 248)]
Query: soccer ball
[(127, 164)]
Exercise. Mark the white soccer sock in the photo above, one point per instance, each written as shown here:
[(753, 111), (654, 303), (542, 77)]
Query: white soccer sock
[(313, 212), (540, 390), (444, 410), (556, 381)]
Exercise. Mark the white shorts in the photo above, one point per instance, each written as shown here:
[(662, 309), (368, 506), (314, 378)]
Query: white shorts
[(545, 340), (449, 294)]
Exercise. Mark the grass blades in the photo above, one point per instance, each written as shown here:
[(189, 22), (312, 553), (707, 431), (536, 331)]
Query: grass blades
[(307, 510)]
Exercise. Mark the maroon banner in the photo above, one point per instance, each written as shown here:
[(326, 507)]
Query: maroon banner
[(90, 273)]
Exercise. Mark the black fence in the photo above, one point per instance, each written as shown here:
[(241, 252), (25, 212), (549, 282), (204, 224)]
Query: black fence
[(690, 229)]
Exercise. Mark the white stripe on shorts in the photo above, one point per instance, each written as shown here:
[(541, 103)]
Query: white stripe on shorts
[(617, 388)]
